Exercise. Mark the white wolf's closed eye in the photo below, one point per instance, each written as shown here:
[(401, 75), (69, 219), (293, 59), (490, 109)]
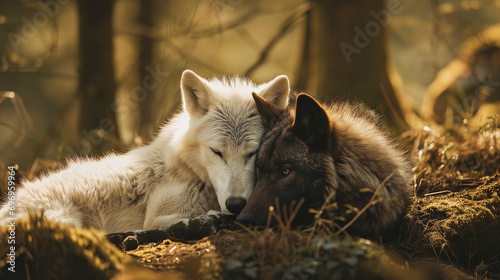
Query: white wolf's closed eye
[(217, 153), (249, 156)]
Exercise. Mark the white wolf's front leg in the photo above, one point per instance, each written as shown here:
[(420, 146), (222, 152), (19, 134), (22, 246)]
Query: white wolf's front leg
[(163, 222), (169, 204), (65, 216), (164, 210)]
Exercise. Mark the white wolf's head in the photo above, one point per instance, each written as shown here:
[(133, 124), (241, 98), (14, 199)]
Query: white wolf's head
[(226, 131)]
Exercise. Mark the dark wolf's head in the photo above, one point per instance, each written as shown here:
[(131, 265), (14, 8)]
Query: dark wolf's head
[(294, 160)]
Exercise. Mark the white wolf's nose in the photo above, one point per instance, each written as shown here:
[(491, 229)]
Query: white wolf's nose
[(235, 204)]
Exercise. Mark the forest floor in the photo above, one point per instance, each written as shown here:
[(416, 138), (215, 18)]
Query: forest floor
[(450, 231), (450, 235)]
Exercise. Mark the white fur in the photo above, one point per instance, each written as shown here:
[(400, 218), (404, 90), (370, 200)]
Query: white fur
[(177, 176)]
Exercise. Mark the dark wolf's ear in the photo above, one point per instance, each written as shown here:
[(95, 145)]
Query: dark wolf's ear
[(195, 93), (270, 113), (311, 123)]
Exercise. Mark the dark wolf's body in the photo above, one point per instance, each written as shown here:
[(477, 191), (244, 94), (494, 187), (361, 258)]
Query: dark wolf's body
[(313, 151)]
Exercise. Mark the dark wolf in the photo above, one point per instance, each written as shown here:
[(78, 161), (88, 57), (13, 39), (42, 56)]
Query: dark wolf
[(314, 151)]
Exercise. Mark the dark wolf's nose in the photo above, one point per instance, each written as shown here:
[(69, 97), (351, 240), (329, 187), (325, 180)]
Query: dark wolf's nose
[(245, 218), (235, 204)]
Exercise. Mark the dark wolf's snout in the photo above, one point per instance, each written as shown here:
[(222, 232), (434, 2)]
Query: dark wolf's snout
[(235, 204), (246, 218)]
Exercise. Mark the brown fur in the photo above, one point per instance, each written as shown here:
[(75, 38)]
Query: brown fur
[(313, 150)]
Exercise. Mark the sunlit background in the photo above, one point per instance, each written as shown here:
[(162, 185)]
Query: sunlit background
[(84, 77)]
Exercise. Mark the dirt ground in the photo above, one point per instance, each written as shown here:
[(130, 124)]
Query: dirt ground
[(454, 232), (454, 235), (451, 234), (184, 259), (460, 228)]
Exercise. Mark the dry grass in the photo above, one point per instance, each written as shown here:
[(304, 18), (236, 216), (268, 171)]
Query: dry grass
[(437, 229), (324, 251), (48, 250), (454, 215), (459, 228), (449, 159)]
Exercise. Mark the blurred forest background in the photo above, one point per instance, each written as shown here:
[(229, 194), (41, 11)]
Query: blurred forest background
[(81, 77)]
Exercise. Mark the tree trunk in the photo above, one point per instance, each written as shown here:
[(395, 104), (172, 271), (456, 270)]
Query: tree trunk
[(97, 80), (147, 122), (349, 54)]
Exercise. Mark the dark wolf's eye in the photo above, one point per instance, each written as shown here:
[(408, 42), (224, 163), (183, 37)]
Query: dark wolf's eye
[(217, 153), (285, 171)]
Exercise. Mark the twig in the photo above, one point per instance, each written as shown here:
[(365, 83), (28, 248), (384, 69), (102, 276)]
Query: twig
[(149, 32), (399, 120), (220, 29), (21, 112), (290, 22), (437, 193), (366, 206), (17, 131)]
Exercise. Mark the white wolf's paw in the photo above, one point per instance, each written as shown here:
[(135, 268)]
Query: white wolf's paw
[(215, 213), (164, 222), (185, 221), (214, 217)]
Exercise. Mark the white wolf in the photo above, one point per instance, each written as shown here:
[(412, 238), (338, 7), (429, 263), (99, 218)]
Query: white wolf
[(202, 160)]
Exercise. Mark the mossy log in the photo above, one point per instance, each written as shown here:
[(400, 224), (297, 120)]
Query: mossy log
[(193, 229)]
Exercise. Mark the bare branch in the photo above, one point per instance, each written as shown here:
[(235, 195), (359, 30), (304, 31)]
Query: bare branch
[(154, 33), (222, 28), (290, 22)]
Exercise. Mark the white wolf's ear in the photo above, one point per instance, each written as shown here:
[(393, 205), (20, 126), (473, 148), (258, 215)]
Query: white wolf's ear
[(195, 93), (277, 91)]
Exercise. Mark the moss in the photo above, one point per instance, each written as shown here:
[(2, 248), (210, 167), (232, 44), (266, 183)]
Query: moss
[(48, 250), (316, 258), (460, 227)]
